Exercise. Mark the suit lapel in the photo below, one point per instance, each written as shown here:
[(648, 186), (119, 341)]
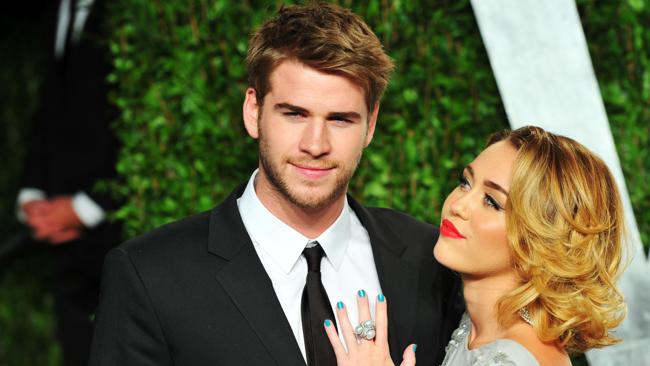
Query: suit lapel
[(244, 279), (398, 279), (248, 285)]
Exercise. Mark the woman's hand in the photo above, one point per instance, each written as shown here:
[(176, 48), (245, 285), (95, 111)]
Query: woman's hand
[(364, 352)]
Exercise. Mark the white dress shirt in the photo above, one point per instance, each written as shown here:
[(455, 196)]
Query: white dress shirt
[(348, 265), (88, 211), (70, 23)]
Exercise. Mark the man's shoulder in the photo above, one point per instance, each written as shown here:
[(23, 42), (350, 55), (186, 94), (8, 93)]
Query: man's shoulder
[(391, 216), (398, 227), (171, 240), (392, 221)]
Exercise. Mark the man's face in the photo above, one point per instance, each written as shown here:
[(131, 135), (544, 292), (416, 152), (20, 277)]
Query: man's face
[(312, 129)]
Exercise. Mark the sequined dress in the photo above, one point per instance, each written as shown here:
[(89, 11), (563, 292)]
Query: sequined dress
[(502, 352)]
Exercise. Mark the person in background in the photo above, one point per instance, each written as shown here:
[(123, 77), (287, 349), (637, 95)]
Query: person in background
[(72, 148), (535, 229)]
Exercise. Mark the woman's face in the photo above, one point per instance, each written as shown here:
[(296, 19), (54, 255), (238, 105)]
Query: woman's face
[(473, 227)]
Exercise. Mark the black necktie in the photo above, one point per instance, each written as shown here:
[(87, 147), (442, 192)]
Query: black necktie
[(315, 308)]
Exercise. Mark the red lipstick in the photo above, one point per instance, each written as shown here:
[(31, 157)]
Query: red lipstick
[(449, 230)]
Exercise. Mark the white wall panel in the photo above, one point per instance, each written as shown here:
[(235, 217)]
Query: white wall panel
[(541, 63)]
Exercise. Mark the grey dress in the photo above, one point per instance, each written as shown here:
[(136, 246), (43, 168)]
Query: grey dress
[(502, 352)]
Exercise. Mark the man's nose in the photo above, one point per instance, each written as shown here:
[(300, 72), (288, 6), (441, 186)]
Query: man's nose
[(315, 139)]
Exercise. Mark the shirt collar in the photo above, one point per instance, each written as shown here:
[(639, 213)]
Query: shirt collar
[(282, 242)]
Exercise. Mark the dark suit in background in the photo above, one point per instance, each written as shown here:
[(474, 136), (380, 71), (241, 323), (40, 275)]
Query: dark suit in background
[(71, 149), (195, 293)]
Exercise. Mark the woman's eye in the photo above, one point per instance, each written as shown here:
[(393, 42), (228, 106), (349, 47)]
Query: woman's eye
[(491, 202), (463, 182)]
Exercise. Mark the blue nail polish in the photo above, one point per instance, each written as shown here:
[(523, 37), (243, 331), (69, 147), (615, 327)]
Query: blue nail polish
[(362, 293), (328, 323), (381, 297), (339, 305), (415, 347)]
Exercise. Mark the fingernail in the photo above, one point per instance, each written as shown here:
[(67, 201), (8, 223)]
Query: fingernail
[(381, 297), (340, 305), (415, 346), (362, 293), (329, 322)]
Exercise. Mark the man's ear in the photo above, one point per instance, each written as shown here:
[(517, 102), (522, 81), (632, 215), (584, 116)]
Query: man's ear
[(251, 111), (372, 123)]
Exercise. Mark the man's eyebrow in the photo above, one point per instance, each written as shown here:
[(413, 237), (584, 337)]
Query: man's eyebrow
[(332, 115), (344, 115), (291, 107), (493, 185)]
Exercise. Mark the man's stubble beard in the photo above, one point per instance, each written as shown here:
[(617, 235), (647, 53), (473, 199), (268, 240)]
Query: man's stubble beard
[(280, 185)]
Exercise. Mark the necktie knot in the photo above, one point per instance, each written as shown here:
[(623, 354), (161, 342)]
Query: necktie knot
[(313, 256)]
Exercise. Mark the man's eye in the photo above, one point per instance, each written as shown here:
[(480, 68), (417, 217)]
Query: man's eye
[(341, 120)]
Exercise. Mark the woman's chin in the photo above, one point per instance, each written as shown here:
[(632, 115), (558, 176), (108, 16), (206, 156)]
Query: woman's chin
[(441, 253)]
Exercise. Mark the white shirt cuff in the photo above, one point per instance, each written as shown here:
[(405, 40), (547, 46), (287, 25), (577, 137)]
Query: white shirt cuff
[(26, 195), (89, 212)]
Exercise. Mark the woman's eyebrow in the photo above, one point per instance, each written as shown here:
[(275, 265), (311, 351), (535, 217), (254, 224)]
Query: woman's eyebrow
[(496, 186)]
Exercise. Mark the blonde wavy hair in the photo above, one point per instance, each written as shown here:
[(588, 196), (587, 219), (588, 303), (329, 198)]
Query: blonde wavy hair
[(565, 227)]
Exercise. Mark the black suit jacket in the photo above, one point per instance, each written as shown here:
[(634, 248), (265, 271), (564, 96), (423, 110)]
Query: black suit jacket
[(72, 145), (195, 293)]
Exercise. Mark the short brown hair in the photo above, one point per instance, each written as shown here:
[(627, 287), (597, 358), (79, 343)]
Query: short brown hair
[(325, 37), (565, 228)]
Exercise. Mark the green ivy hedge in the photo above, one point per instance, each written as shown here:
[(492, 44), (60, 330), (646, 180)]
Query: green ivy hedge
[(618, 35), (180, 78)]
